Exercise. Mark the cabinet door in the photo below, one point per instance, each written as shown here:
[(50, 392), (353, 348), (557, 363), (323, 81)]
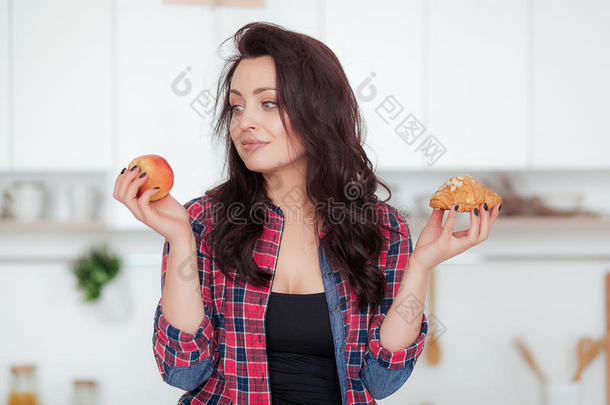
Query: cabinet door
[(166, 68), (62, 84), (4, 88), (550, 303), (571, 85), (381, 51), (295, 15), (167, 85), (477, 83)]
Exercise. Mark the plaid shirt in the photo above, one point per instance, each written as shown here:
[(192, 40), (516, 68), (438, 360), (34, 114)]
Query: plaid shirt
[(225, 361)]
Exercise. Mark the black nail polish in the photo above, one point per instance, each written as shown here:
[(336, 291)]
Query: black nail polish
[(156, 188), (476, 212), (485, 206), (456, 207), (499, 208), (123, 171), (142, 175), (134, 167)]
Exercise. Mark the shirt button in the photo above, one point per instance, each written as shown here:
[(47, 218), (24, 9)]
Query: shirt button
[(341, 347), (345, 383), (336, 308), (328, 274)]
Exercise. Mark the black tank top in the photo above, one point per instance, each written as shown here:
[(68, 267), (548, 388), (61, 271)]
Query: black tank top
[(300, 350)]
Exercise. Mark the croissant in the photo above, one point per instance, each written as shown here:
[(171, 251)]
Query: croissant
[(465, 191)]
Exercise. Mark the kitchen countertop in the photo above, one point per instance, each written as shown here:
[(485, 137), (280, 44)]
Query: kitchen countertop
[(511, 238), (511, 222)]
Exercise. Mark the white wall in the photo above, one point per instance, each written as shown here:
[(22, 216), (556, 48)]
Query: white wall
[(550, 304), (46, 324)]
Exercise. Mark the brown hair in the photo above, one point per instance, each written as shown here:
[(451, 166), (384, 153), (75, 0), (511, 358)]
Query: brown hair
[(314, 92)]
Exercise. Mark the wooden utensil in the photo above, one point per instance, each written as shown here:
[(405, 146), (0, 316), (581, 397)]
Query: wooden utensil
[(433, 352), (587, 349), (529, 358), (608, 339)]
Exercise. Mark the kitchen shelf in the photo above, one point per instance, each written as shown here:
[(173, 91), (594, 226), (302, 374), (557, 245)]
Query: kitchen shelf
[(513, 238), (529, 222), (552, 222), (541, 223), (14, 225)]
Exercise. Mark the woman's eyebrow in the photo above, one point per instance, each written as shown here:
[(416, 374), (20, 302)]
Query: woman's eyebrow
[(256, 91)]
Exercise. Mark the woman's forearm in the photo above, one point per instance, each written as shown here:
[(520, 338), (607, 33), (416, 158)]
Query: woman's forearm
[(402, 323), (182, 303)]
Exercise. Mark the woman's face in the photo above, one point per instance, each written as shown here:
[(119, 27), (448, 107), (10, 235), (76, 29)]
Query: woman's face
[(255, 116)]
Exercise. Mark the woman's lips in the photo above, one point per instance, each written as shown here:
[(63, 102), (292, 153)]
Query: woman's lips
[(254, 146)]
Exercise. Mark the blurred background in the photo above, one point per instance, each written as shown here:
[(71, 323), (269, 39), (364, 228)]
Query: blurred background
[(513, 92)]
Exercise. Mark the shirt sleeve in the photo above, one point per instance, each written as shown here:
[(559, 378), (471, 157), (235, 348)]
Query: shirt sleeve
[(385, 371), (185, 360)]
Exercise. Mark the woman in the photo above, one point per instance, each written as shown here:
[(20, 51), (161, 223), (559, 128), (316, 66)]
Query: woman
[(279, 284)]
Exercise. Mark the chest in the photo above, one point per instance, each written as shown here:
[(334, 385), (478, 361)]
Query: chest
[(298, 264)]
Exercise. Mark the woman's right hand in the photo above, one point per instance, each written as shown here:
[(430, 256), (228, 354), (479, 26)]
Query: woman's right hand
[(166, 216)]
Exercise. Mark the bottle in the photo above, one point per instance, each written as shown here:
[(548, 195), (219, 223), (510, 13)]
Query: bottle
[(84, 392), (23, 386)]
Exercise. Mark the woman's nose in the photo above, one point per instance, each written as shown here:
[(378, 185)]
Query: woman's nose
[(247, 119)]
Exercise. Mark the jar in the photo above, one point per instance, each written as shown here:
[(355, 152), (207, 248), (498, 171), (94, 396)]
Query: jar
[(26, 200), (23, 385), (84, 392)]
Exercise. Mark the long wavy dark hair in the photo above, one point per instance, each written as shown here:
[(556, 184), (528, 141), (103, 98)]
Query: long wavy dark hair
[(314, 92)]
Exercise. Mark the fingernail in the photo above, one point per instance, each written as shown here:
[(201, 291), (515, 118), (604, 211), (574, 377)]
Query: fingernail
[(485, 206), (134, 167), (123, 171), (156, 188), (476, 211), (500, 207), (456, 207), (142, 175)]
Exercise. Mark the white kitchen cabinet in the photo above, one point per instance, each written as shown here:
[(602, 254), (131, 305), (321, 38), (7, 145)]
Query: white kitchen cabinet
[(62, 85), (571, 85), (160, 111), (491, 303), (477, 84), (295, 15), (381, 50), (168, 68), (4, 87)]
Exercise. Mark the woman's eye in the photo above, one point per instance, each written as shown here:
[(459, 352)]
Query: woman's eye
[(232, 108)]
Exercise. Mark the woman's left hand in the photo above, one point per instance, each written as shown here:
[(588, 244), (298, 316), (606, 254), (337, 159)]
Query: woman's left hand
[(437, 242)]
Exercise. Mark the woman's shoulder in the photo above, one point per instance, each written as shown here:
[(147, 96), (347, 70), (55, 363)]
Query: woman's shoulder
[(391, 218), (389, 214), (200, 209)]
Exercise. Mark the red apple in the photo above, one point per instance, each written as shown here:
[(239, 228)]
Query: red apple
[(158, 174)]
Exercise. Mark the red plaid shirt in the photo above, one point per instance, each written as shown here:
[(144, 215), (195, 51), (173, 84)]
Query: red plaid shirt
[(225, 361)]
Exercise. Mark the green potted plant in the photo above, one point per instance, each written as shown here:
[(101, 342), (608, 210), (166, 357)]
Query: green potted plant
[(94, 270)]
